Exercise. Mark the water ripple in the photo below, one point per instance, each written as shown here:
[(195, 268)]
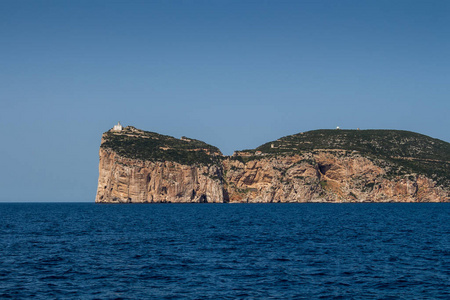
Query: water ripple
[(301, 251)]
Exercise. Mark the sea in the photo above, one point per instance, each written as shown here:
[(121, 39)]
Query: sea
[(225, 251)]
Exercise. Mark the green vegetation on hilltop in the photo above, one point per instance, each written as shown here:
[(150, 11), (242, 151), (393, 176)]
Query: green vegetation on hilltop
[(389, 143), (413, 152), (145, 145)]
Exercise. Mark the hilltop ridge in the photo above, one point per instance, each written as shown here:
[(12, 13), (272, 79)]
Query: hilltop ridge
[(145, 145), (382, 142)]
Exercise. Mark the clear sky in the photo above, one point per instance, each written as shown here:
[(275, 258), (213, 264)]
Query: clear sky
[(235, 74)]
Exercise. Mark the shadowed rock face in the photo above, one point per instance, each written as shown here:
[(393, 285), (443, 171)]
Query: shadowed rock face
[(318, 175)]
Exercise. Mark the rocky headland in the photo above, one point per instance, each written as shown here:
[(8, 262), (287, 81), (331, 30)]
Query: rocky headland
[(138, 166)]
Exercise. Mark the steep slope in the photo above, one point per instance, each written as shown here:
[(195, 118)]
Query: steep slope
[(315, 166), (344, 166), (138, 166), (405, 151)]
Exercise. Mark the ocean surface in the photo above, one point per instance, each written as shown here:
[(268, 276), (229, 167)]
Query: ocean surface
[(224, 251)]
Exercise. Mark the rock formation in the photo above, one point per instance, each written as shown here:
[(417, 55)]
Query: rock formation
[(143, 167)]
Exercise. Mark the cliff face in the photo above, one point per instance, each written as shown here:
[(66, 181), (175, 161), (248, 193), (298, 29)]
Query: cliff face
[(171, 173), (325, 176), (125, 180)]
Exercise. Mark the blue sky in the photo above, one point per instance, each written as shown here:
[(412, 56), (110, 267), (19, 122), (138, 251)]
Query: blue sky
[(235, 74)]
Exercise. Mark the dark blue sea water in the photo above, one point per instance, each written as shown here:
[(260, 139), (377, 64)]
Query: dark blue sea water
[(220, 251)]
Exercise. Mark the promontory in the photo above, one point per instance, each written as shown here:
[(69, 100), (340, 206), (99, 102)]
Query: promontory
[(339, 165)]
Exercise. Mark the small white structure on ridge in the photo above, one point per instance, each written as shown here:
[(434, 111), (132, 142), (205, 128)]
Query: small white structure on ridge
[(117, 127)]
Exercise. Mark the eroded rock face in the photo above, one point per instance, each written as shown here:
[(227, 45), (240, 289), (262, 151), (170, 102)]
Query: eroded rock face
[(318, 176), (125, 180), (325, 176)]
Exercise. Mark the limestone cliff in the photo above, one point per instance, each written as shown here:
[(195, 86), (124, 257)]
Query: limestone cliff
[(325, 176), (170, 172), (125, 180), (319, 166)]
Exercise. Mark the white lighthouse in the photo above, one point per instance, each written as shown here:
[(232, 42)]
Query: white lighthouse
[(117, 127)]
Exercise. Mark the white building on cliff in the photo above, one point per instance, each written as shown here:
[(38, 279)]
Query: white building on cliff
[(117, 127)]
